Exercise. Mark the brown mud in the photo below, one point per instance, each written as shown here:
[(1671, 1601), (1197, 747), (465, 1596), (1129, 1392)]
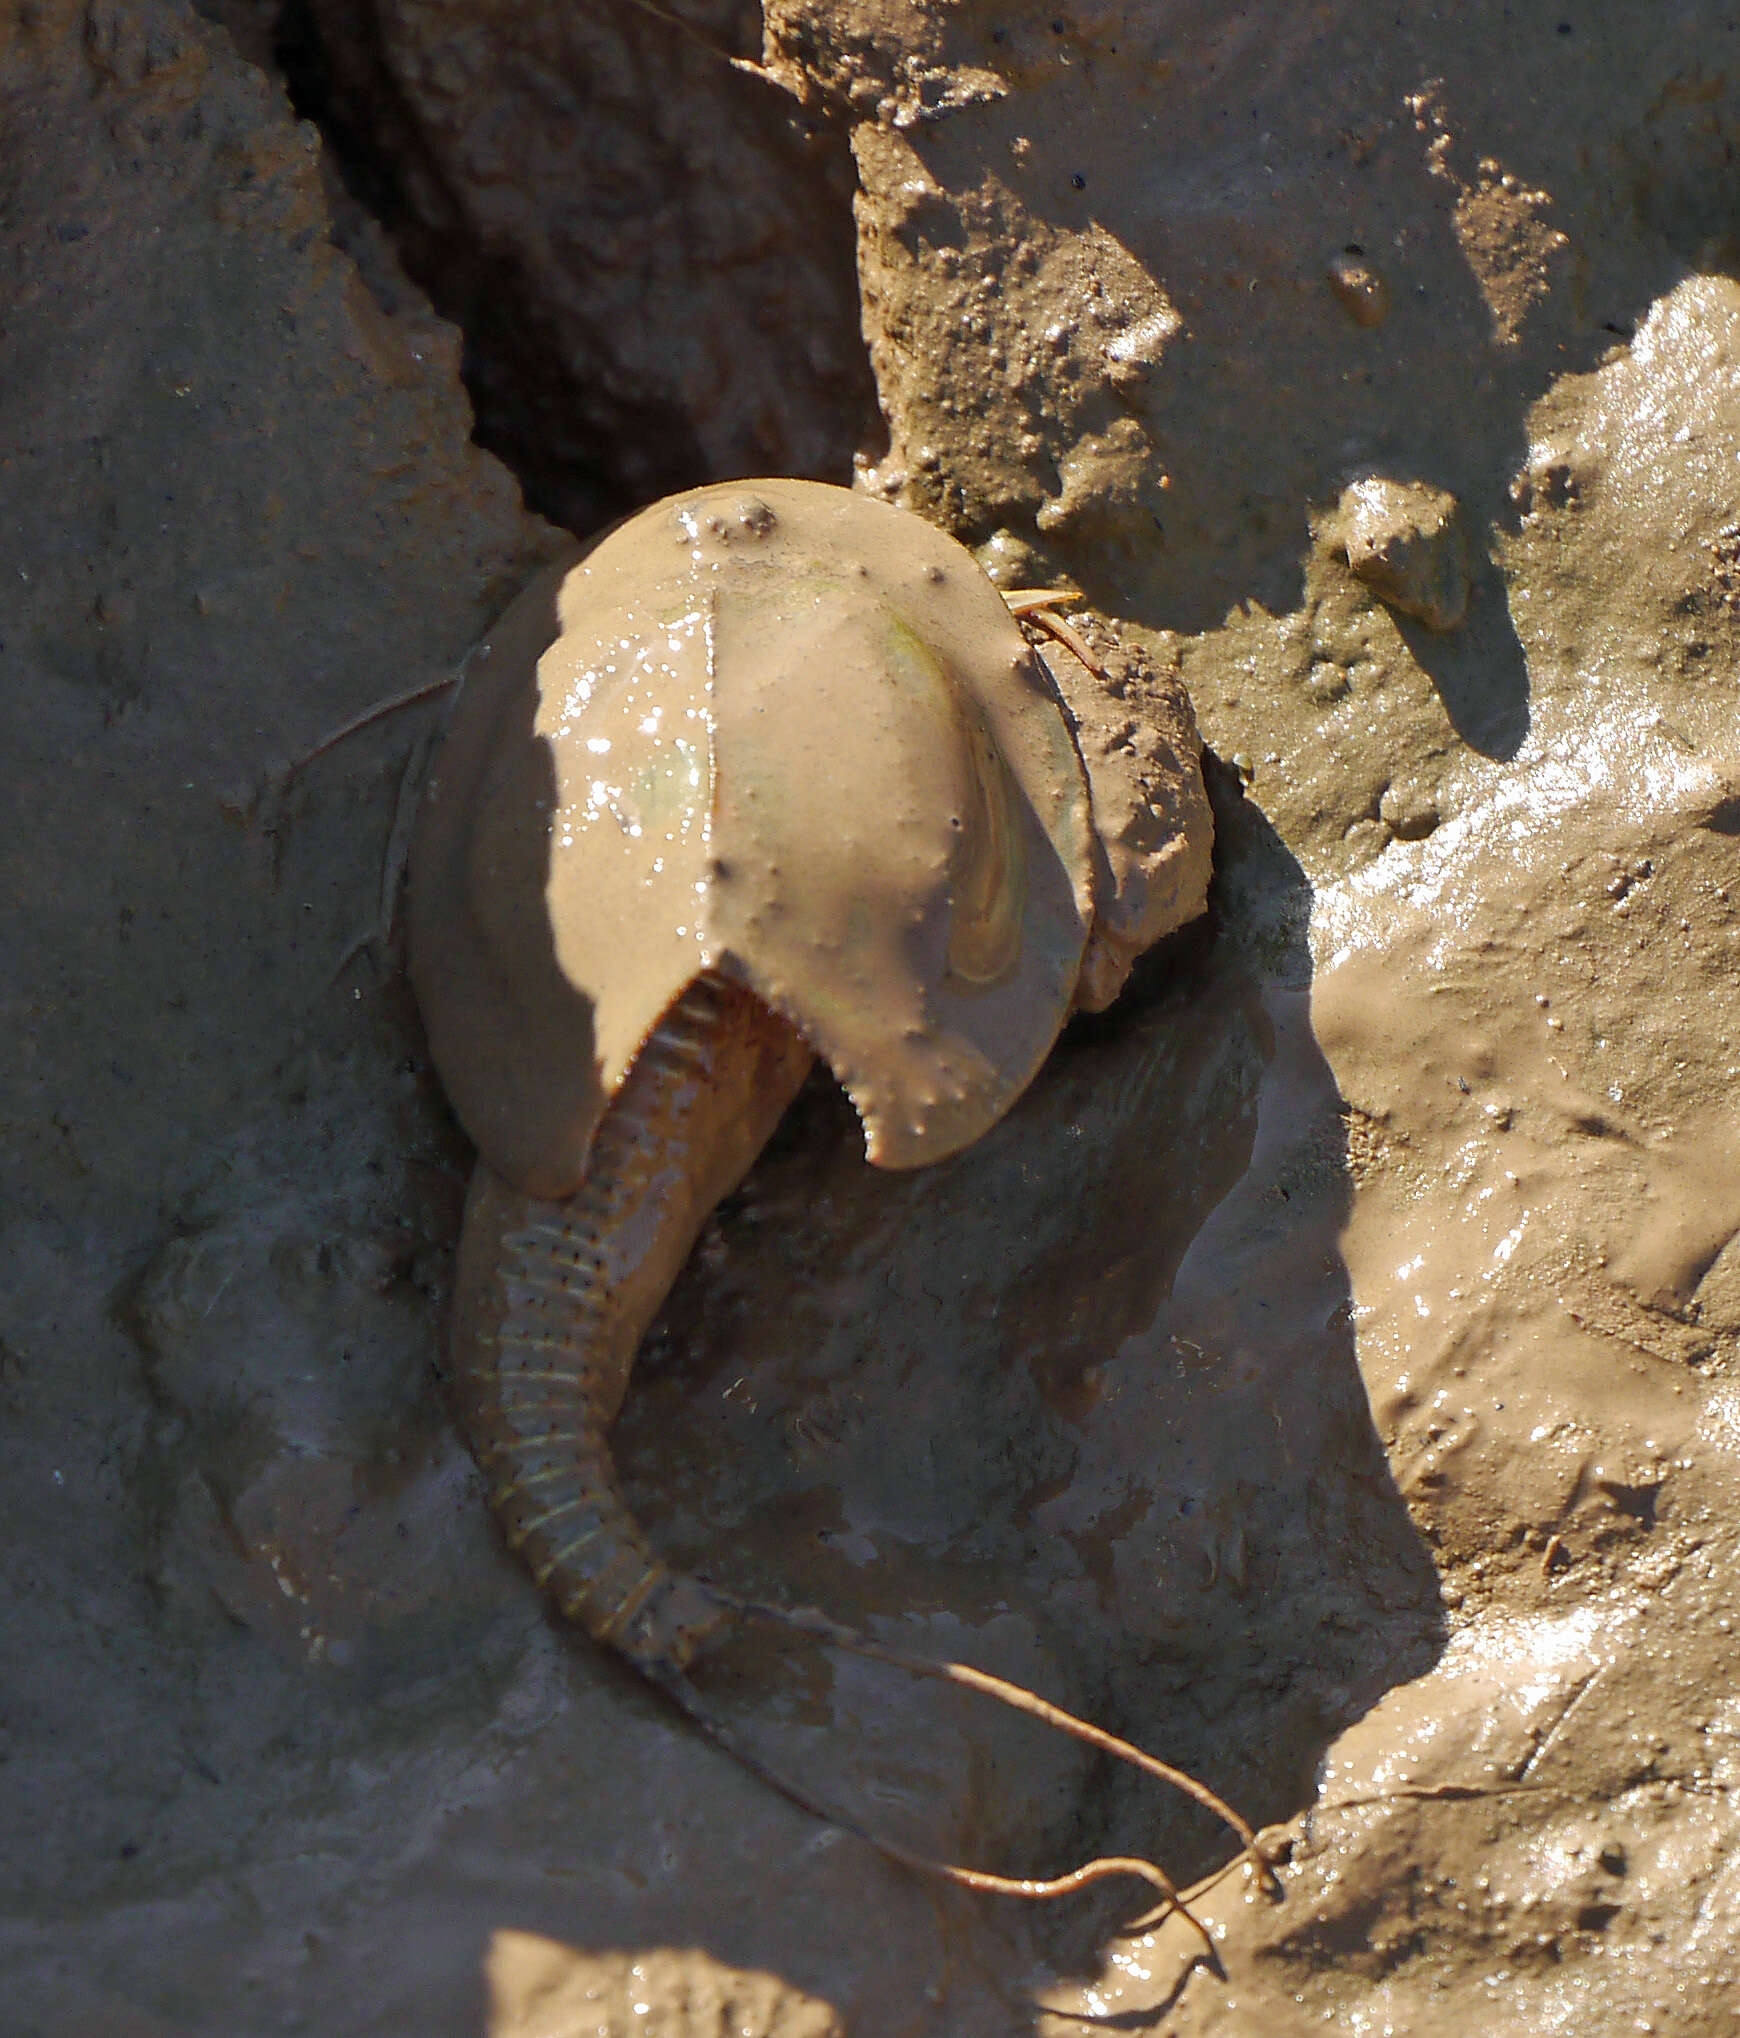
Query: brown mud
[(1326, 1375)]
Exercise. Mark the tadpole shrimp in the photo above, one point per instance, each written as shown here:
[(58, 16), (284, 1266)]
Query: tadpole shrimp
[(770, 774)]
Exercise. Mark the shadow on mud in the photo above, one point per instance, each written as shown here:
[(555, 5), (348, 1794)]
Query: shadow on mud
[(1081, 1406)]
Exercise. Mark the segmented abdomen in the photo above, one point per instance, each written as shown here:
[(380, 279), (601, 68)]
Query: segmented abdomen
[(552, 1300)]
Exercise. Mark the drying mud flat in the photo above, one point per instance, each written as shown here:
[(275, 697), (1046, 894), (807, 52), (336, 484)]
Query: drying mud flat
[(1328, 1375)]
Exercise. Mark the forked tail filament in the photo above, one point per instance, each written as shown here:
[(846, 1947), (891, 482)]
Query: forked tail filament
[(808, 1621)]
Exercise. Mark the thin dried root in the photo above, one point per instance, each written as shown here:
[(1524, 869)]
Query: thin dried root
[(706, 42), (678, 1688), (378, 713)]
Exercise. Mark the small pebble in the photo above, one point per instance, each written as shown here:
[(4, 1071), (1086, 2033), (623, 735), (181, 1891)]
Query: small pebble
[(1361, 290), (1404, 539)]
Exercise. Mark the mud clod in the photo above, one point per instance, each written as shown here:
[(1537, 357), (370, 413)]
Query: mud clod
[(1406, 542)]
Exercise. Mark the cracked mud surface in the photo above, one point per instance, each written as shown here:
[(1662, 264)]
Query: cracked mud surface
[(1327, 1375)]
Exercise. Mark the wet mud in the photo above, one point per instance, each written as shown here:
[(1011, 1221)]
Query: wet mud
[(1325, 1375)]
